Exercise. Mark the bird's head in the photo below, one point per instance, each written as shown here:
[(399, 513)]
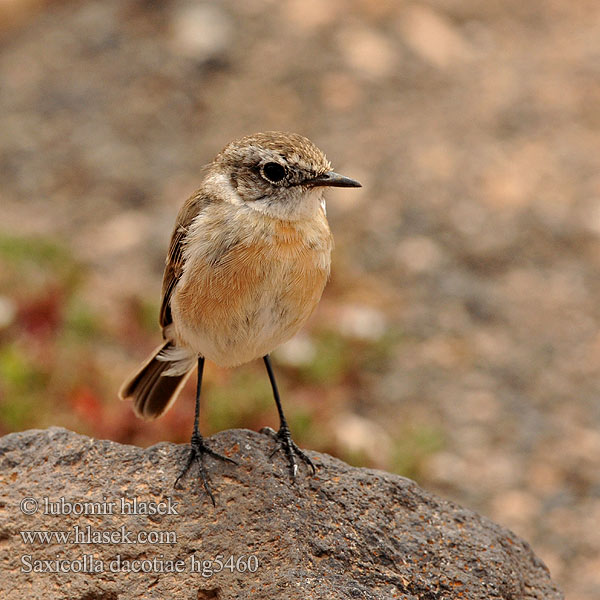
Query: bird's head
[(280, 174)]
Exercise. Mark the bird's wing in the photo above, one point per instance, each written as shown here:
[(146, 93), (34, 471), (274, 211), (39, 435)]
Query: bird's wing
[(175, 260)]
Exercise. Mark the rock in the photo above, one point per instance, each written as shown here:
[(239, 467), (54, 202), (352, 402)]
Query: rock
[(344, 533)]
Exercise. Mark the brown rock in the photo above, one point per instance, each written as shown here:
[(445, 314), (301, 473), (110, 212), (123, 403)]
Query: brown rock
[(345, 533)]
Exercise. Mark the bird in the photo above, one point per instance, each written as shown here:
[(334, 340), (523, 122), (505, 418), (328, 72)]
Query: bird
[(248, 260)]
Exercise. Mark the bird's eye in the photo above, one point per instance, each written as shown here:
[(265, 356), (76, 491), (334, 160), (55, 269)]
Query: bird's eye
[(274, 172)]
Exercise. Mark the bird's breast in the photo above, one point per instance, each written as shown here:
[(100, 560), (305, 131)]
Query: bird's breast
[(250, 288)]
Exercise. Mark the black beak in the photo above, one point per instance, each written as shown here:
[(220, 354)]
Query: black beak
[(332, 179)]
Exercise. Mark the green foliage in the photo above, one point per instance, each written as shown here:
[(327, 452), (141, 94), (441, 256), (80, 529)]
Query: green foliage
[(80, 323), (146, 315), (300, 421), (233, 404), (332, 359), (17, 371), (35, 261), (375, 354), (356, 458), (338, 357), (413, 446), (41, 278), (21, 382)]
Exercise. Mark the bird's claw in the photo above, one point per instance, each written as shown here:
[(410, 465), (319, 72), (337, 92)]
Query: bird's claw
[(284, 440), (198, 449)]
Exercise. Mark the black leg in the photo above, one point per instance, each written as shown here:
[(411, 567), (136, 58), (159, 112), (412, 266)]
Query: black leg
[(283, 436), (198, 448)]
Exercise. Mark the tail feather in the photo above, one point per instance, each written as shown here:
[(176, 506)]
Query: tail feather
[(151, 388)]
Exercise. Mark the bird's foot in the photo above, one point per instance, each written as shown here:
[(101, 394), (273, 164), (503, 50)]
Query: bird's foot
[(284, 441), (198, 449)]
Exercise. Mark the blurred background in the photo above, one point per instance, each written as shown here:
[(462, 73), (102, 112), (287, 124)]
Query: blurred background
[(458, 341)]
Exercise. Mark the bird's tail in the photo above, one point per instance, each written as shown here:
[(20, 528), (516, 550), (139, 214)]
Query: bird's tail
[(157, 383)]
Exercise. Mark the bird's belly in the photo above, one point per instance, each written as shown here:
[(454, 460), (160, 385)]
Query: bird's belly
[(244, 307)]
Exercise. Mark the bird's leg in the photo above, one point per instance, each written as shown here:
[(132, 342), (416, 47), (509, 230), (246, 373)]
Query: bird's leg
[(198, 449), (283, 437)]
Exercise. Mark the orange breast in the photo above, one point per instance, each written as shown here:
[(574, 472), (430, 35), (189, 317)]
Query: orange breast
[(257, 295)]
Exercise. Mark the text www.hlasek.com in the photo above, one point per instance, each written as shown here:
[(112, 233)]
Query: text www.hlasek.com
[(88, 535)]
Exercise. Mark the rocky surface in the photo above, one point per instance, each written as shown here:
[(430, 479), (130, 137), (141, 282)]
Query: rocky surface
[(345, 533)]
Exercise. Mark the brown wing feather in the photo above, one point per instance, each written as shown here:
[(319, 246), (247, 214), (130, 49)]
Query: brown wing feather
[(174, 263)]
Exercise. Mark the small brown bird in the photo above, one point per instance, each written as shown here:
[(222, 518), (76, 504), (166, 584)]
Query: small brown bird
[(249, 258)]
